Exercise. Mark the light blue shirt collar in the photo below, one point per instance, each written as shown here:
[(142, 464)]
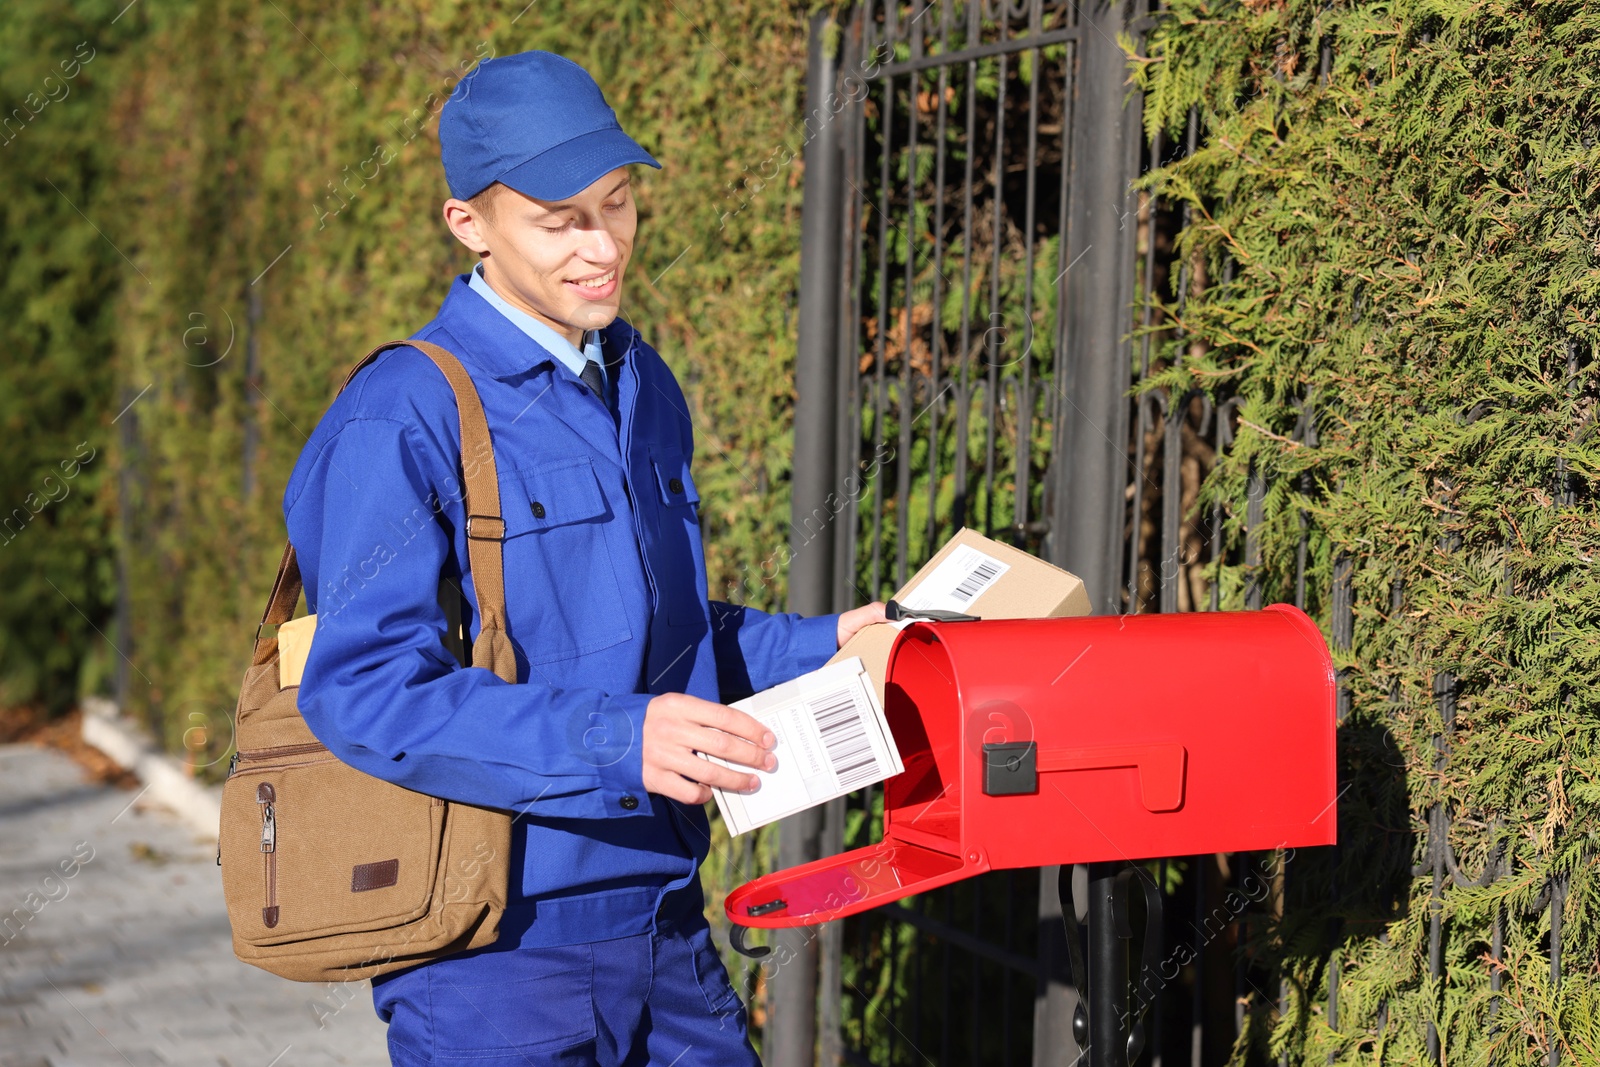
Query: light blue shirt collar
[(542, 335)]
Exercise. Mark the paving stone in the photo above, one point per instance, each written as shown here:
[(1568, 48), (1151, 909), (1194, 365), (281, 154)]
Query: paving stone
[(131, 964)]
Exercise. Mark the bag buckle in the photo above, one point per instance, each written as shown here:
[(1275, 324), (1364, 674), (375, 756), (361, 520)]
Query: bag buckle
[(498, 535)]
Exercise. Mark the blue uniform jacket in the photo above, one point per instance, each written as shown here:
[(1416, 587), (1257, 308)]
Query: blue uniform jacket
[(605, 598)]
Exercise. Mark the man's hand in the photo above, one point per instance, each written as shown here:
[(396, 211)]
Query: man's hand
[(676, 726), (866, 615)]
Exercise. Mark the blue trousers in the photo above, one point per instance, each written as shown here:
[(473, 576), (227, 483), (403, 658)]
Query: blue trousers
[(650, 999)]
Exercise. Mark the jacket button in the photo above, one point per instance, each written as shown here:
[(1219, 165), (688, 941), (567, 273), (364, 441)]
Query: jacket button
[(538, 510), (675, 485), (630, 802)]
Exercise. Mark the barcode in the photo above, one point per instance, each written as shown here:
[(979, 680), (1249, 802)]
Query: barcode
[(975, 582), (849, 751)]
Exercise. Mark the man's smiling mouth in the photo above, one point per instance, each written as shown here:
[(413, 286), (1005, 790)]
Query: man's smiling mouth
[(599, 281)]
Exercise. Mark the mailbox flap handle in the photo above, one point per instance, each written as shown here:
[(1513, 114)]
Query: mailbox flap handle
[(1161, 768), (895, 611)]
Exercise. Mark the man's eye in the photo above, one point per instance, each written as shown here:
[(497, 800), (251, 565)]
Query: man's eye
[(556, 229), (619, 205)]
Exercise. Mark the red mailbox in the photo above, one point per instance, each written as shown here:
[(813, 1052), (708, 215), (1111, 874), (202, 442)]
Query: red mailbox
[(1042, 741)]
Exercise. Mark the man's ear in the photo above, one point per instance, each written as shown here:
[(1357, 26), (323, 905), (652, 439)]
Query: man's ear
[(467, 224)]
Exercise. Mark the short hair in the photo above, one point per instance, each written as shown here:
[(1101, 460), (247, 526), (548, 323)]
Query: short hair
[(482, 203)]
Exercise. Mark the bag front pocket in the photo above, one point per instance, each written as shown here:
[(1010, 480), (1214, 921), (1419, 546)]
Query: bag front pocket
[(313, 847)]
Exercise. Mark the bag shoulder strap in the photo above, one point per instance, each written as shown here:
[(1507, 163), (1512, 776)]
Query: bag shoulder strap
[(485, 526)]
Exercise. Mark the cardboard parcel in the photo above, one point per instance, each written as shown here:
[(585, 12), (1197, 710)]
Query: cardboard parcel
[(976, 576)]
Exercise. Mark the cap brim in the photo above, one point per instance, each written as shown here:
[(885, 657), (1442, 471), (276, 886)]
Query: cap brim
[(573, 166)]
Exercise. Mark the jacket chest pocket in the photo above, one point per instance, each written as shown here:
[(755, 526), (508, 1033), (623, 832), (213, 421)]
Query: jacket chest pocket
[(679, 563), (561, 583)]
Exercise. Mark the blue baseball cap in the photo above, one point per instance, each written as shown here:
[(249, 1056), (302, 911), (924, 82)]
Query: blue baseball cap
[(534, 121)]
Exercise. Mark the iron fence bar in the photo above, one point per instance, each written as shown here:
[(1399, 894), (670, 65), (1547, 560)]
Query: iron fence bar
[(1566, 488), (1342, 626), (864, 924), (880, 396), (1197, 1032), (991, 396), (948, 896), (853, 241), (1240, 997), (916, 990), (1157, 1009), (1086, 528), (830, 971), (894, 959), (1147, 314), (1444, 693), (1006, 975), (973, 971), (907, 370), (1334, 971), (1151, 407), (1059, 372), (1171, 503), (962, 507), (792, 991), (1558, 899), (1131, 20), (1022, 478), (983, 51), (936, 338), (1136, 506), (1342, 623), (1497, 948), (1222, 437), (1171, 407), (1255, 499), (846, 593)]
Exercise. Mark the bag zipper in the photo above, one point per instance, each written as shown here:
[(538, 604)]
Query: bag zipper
[(280, 750), (233, 765), (266, 753), (266, 796)]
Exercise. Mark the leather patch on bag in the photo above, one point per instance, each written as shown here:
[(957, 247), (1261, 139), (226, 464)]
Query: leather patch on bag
[(269, 917), (365, 876)]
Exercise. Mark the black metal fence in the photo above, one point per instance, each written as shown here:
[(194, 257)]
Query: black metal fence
[(979, 333)]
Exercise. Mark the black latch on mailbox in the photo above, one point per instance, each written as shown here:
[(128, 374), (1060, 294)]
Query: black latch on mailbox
[(1010, 768)]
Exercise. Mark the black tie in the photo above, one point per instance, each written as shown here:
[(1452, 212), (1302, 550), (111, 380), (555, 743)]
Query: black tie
[(591, 377)]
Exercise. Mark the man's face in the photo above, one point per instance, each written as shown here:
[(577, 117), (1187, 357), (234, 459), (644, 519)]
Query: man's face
[(561, 261)]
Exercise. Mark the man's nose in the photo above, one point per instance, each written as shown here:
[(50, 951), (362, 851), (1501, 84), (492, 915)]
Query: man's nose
[(602, 245)]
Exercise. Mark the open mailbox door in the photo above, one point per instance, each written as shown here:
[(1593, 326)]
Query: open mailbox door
[(1055, 741)]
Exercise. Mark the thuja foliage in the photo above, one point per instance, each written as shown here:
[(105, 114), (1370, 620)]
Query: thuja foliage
[(57, 274), (1392, 233)]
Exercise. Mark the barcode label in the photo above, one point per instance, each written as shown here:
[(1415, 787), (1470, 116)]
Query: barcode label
[(976, 582), (960, 579), (831, 740), (845, 737)]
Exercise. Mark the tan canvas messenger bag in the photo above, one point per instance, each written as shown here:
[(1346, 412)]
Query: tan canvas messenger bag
[(331, 874)]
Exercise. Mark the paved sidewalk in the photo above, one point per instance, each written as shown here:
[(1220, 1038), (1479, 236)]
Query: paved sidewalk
[(127, 962)]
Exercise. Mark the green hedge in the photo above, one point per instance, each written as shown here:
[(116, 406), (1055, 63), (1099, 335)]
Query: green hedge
[(60, 274), (279, 186), (1407, 247)]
